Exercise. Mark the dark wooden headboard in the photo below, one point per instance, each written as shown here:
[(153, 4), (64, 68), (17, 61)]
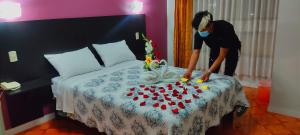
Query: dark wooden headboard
[(33, 39)]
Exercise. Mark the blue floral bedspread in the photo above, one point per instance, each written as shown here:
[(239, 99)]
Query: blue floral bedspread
[(118, 103)]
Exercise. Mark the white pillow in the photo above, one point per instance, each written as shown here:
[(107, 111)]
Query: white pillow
[(73, 63), (114, 53)]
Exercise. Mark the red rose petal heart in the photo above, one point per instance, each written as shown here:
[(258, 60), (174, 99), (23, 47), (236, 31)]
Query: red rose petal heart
[(163, 107), (135, 98), (195, 96), (153, 86), (181, 105), (161, 100), (142, 85), (154, 98), (169, 85), (196, 87), (175, 111), (166, 94), (199, 90), (170, 88), (146, 96), (162, 91), (155, 94), (140, 93), (177, 83), (143, 103), (130, 94), (132, 89), (179, 97), (185, 92), (155, 105), (180, 86), (146, 88), (188, 101)]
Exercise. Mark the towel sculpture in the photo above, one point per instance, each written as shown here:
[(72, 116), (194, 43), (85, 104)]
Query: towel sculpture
[(161, 74)]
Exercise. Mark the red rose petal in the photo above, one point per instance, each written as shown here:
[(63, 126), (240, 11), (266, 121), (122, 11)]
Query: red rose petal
[(199, 90), (146, 88), (185, 92), (154, 98), (166, 94), (169, 85), (175, 91), (163, 107), (161, 88), (172, 103), (153, 86), (188, 84), (155, 105), (162, 91), (142, 85), (195, 96), (152, 90), (143, 103), (188, 101), (132, 89), (181, 105), (130, 94), (170, 88), (167, 98), (140, 93), (161, 100), (180, 86), (196, 87), (146, 96), (175, 111), (177, 83), (135, 98), (155, 94), (175, 94), (179, 97)]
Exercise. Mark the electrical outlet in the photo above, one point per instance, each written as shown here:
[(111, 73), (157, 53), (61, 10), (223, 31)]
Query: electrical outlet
[(12, 56)]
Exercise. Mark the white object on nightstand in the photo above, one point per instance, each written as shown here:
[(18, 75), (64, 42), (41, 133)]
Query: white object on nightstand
[(12, 56)]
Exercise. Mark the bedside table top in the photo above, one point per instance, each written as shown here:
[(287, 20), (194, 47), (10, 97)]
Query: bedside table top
[(29, 85)]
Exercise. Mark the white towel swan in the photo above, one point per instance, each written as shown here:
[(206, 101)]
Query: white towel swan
[(160, 74)]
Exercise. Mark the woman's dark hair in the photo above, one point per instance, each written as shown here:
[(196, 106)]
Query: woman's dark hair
[(198, 17)]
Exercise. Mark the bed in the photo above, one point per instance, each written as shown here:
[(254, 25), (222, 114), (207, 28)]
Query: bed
[(102, 99)]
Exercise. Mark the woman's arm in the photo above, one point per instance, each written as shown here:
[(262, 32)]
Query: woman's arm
[(192, 64), (222, 54)]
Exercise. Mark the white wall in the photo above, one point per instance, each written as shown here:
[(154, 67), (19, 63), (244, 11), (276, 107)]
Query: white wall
[(170, 31), (285, 93)]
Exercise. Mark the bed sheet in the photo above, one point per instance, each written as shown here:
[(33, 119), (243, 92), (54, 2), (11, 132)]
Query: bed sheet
[(115, 101)]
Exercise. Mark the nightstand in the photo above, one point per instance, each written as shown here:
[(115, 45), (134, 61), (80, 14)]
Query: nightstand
[(27, 103)]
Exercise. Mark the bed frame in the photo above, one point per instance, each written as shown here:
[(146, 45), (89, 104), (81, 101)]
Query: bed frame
[(32, 39)]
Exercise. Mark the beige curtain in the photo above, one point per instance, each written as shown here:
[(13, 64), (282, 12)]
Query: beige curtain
[(255, 24)]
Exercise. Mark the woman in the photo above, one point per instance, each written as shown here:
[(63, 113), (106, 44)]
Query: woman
[(221, 38)]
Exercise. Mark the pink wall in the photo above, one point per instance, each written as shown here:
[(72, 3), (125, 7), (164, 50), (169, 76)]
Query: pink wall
[(155, 11)]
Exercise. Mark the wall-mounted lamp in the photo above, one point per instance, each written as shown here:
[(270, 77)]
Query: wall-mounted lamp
[(136, 7), (10, 10)]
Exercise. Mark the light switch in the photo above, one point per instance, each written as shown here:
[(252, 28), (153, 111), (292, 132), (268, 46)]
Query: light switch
[(12, 56), (137, 36)]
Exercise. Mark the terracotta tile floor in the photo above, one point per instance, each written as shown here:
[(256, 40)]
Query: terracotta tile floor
[(256, 121)]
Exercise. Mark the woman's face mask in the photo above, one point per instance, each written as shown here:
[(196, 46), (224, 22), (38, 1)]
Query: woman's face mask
[(203, 33)]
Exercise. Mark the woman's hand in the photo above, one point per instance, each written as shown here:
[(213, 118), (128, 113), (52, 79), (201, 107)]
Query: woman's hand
[(187, 75), (205, 76)]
